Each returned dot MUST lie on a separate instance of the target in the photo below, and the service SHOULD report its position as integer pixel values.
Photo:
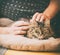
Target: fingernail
(36, 19)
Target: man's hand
(40, 17)
(17, 28)
(20, 27)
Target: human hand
(17, 28)
(20, 27)
(40, 17)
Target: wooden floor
(12, 52)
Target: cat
(40, 30)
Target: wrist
(4, 30)
(1, 30)
(47, 16)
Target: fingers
(20, 32)
(40, 17)
(24, 28)
(20, 23)
(19, 27)
(34, 17)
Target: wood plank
(13, 52)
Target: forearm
(52, 9)
(22, 43)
